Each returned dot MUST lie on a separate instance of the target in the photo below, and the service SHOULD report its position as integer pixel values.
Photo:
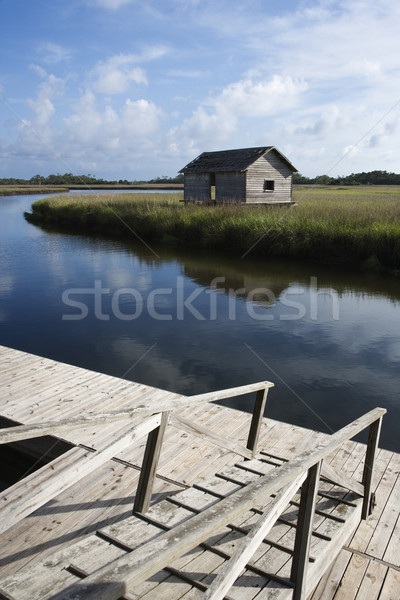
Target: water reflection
(189, 321)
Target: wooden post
(149, 466)
(372, 446)
(255, 425)
(302, 542)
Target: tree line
(370, 178)
(70, 179)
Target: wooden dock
(225, 503)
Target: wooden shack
(245, 176)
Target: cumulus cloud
(247, 99)
(140, 118)
(109, 133)
(116, 75)
(260, 98)
(42, 106)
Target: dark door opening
(212, 187)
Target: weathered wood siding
(269, 166)
(197, 187)
(230, 187)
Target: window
(269, 185)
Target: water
(328, 338)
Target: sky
(135, 89)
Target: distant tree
(300, 179)
(37, 180)
(324, 180)
(164, 179)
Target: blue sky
(135, 89)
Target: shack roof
(231, 160)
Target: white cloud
(260, 98)
(383, 134)
(116, 75)
(53, 53)
(214, 124)
(42, 106)
(329, 120)
(350, 150)
(107, 134)
(140, 118)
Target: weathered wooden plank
(341, 479)
(329, 583)
(328, 553)
(391, 585)
(35, 490)
(230, 392)
(232, 569)
(70, 517)
(385, 541)
(389, 467)
(372, 581)
(149, 465)
(352, 578)
(255, 426)
(270, 167)
(206, 434)
(372, 446)
(303, 534)
(23, 432)
(141, 406)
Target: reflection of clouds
(143, 281)
(6, 284)
(162, 371)
(325, 373)
(394, 352)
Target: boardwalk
(86, 523)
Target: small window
(269, 185)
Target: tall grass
(336, 224)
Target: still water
(192, 322)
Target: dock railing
(304, 470)
(137, 421)
(138, 565)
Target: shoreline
(336, 231)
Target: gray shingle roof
(230, 160)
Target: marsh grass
(352, 225)
(18, 190)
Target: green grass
(351, 225)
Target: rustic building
(249, 176)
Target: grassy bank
(19, 190)
(352, 225)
